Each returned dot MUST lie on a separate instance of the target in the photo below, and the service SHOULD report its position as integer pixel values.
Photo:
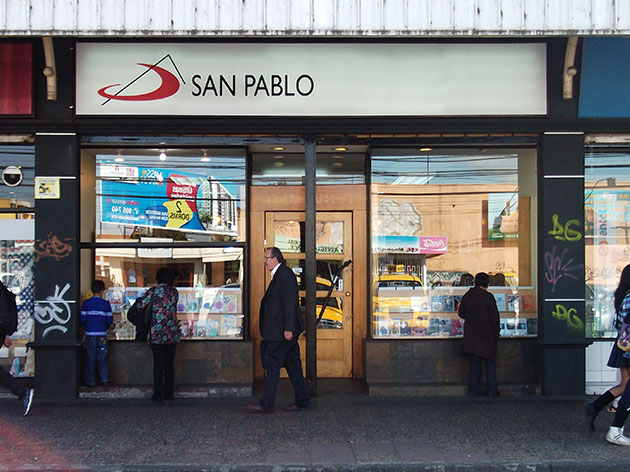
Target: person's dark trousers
(278, 354)
(9, 382)
(163, 371)
(474, 379)
(96, 355)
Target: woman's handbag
(623, 341)
(141, 318)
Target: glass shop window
(439, 216)
(17, 250)
(336, 165)
(169, 197)
(607, 219)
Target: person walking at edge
(280, 326)
(96, 316)
(8, 312)
(618, 358)
(481, 332)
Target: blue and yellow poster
(143, 196)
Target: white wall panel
(604, 15)
(580, 14)
(159, 16)
(395, 15)
(413, 18)
(184, 15)
(135, 15)
(277, 15)
(534, 15)
(252, 13)
(622, 18)
(111, 18)
(206, 16)
(463, 15)
(41, 14)
(63, 18)
(87, 14)
(418, 15)
(346, 15)
(230, 14)
(488, 15)
(557, 15)
(323, 15)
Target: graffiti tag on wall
(53, 247)
(54, 311)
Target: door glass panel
(289, 236)
(329, 237)
(332, 318)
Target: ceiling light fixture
(278, 148)
(119, 159)
(337, 156)
(337, 164)
(278, 164)
(205, 157)
(425, 149)
(162, 156)
(340, 148)
(278, 157)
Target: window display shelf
(432, 313)
(204, 313)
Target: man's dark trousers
(278, 354)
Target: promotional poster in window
(502, 216)
(165, 198)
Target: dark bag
(8, 312)
(141, 318)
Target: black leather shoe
(256, 408)
(295, 407)
(590, 416)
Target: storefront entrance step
(181, 392)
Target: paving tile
(423, 451)
(334, 453)
(287, 457)
(380, 452)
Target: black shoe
(156, 398)
(494, 394)
(590, 415)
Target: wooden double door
(340, 333)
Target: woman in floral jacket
(163, 332)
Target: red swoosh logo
(168, 87)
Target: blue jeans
(96, 355)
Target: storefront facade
(421, 162)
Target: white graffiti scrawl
(54, 310)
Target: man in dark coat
(280, 326)
(481, 331)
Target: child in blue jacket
(96, 317)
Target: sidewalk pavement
(341, 432)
